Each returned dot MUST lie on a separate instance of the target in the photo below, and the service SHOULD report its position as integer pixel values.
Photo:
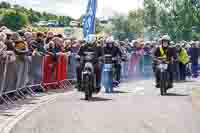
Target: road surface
(135, 108)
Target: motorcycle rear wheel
(88, 92)
(163, 84)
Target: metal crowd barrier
(55, 74)
(138, 66)
(72, 67)
(24, 76)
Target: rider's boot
(157, 85)
(170, 85)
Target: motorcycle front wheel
(88, 92)
(163, 83)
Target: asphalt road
(135, 108)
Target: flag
(89, 18)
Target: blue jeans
(107, 78)
(182, 68)
(195, 70)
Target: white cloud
(76, 8)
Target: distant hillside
(16, 16)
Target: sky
(75, 8)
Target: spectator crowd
(23, 45)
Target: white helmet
(147, 42)
(91, 38)
(192, 42)
(188, 46)
(172, 43)
(178, 45)
(166, 38)
(110, 40)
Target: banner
(89, 18)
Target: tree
(173, 17)
(136, 21)
(14, 20)
(5, 5)
(150, 14)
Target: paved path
(10, 115)
(135, 108)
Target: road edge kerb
(12, 122)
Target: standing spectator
(147, 48)
(194, 54)
(28, 37)
(40, 42)
(183, 59)
(3, 47)
(124, 64)
(49, 37)
(21, 50)
(67, 45)
(59, 44)
(34, 35)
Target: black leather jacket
(91, 48)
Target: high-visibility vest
(183, 56)
(162, 53)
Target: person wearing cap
(164, 51)
(183, 59)
(90, 46)
(194, 55)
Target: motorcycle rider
(165, 51)
(111, 49)
(90, 46)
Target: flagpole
(95, 17)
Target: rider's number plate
(163, 66)
(107, 67)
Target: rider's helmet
(165, 39)
(147, 43)
(110, 41)
(192, 43)
(91, 39)
(188, 45)
(172, 43)
(178, 45)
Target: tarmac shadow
(119, 92)
(97, 99)
(174, 94)
(187, 81)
